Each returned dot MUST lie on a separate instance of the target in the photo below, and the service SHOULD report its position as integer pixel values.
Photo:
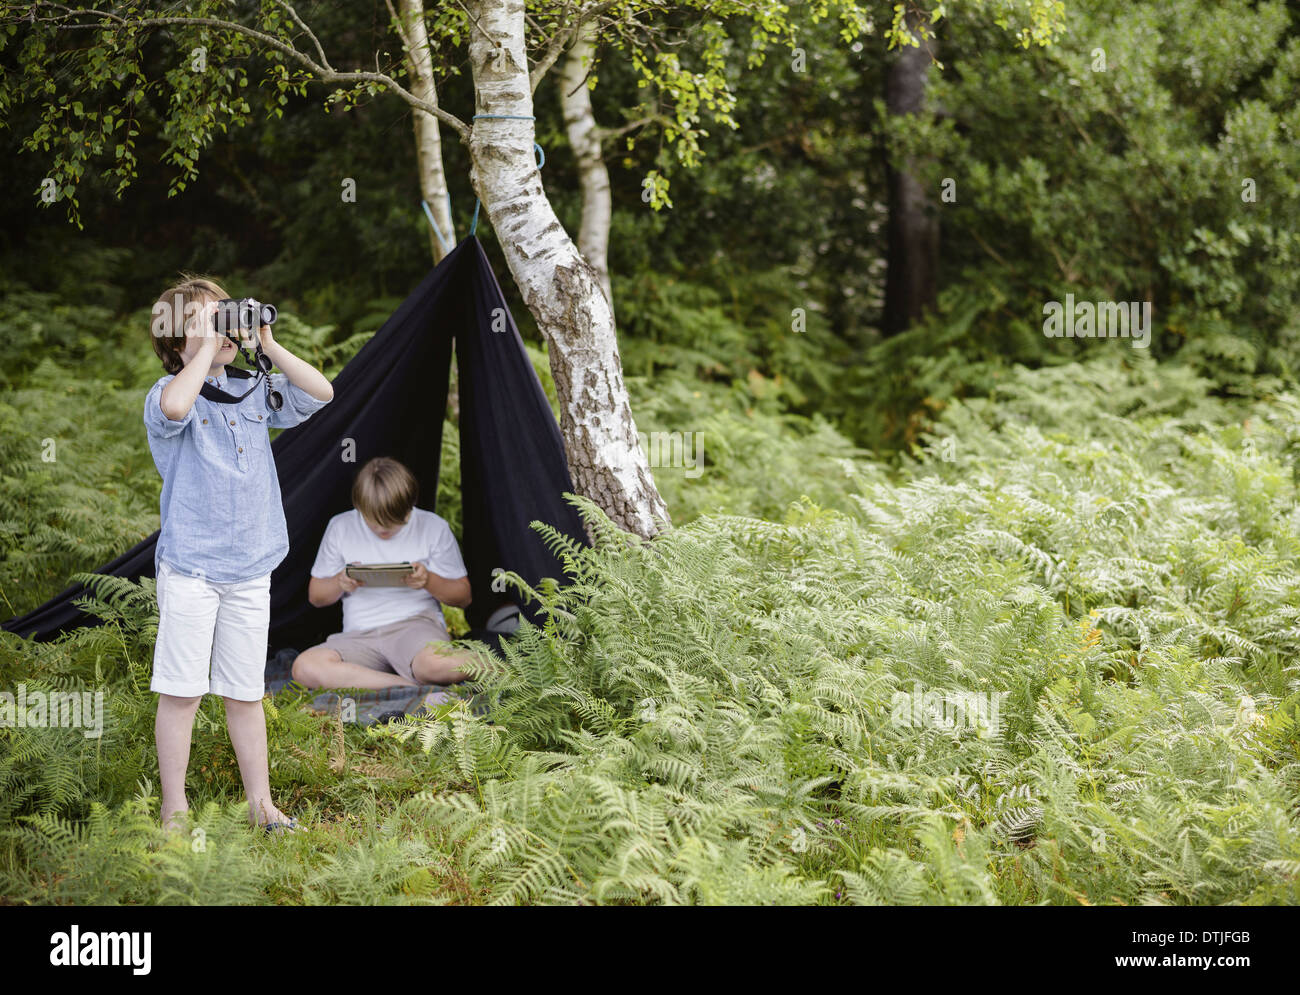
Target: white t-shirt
(426, 539)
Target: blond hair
(171, 313)
(385, 491)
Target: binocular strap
(218, 395)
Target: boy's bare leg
(246, 722)
(173, 727)
(440, 664)
(325, 668)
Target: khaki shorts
(389, 647)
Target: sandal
(280, 828)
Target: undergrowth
(714, 716)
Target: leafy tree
(205, 87)
(1148, 156)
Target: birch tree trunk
(593, 177)
(428, 140)
(561, 289)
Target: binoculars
(245, 315)
(240, 320)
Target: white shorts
(211, 637)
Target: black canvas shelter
(389, 401)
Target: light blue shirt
(222, 516)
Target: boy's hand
(201, 327)
(209, 346)
(419, 576)
(205, 323)
(346, 583)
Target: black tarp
(389, 401)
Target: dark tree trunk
(911, 280)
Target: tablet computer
(380, 574)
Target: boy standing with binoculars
(222, 533)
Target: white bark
(560, 288)
(593, 177)
(428, 140)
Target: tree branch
(987, 248)
(402, 36)
(310, 34)
(560, 40)
(323, 73)
(605, 134)
(554, 47)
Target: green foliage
(732, 378)
(117, 857)
(78, 485)
(723, 329)
(906, 380)
(741, 452)
(714, 716)
(1145, 156)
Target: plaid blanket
(362, 706)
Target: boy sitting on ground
(387, 631)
